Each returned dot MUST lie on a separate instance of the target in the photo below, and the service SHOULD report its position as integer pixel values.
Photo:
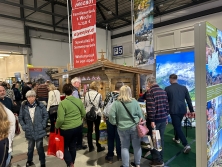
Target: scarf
(32, 105)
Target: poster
(84, 32)
(41, 75)
(214, 95)
(143, 30)
(181, 64)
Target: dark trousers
(39, 147)
(176, 121)
(90, 131)
(52, 118)
(79, 140)
(113, 137)
(70, 139)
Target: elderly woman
(93, 97)
(69, 120)
(33, 117)
(4, 130)
(53, 101)
(126, 127)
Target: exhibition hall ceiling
(111, 13)
(117, 13)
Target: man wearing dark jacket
(177, 94)
(157, 109)
(7, 102)
(25, 89)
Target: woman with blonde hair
(52, 107)
(4, 130)
(93, 97)
(126, 127)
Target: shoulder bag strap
(75, 105)
(90, 99)
(128, 112)
(55, 98)
(91, 102)
(95, 96)
(112, 98)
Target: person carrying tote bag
(126, 127)
(70, 113)
(52, 107)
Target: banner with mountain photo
(143, 30)
(84, 32)
(214, 95)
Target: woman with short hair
(33, 117)
(126, 127)
(93, 97)
(53, 101)
(4, 131)
(70, 113)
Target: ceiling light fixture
(4, 55)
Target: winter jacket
(36, 129)
(18, 96)
(70, 113)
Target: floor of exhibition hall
(173, 156)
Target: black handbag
(53, 109)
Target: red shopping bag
(56, 145)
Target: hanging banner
(143, 30)
(84, 32)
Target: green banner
(211, 30)
(214, 91)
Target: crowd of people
(36, 103)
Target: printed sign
(84, 32)
(118, 50)
(143, 30)
(214, 95)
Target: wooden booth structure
(107, 74)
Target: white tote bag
(106, 110)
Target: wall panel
(11, 31)
(165, 41)
(187, 37)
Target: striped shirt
(157, 106)
(42, 91)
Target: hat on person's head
(30, 93)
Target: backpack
(107, 108)
(91, 115)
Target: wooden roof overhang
(103, 64)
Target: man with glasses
(76, 83)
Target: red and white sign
(84, 32)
